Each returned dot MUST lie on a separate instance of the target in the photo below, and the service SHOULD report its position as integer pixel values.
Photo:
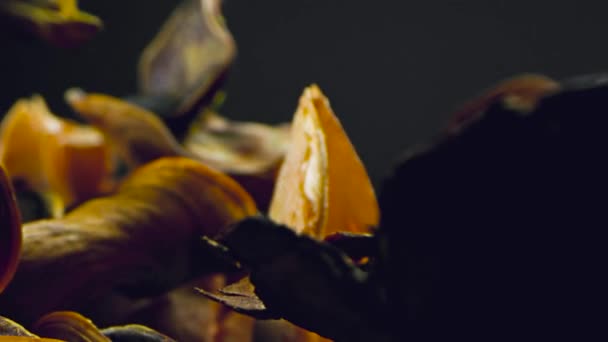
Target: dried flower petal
(322, 185)
(59, 22)
(189, 54)
(143, 239)
(249, 152)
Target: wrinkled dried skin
(191, 52)
(249, 152)
(66, 162)
(322, 185)
(60, 22)
(144, 238)
(10, 231)
(68, 326)
(521, 93)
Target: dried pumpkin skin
(10, 231)
(144, 236)
(61, 159)
(314, 193)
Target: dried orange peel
(322, 186)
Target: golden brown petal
(10, 231)
(249, 152)
(142, 239)
(138, 135)
(322, 185)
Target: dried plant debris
(497, 230)
(312, 193)
(188, 56)
(10, 231)
(59, 22)
(73, 327)
(187, 316)
(307, 282)
(64, 161)
(144, 239)
(249, 152)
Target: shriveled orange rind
(322, 187)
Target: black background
(393, 70)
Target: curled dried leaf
(307, 282)
(144, 239)
(59, 22)
(10, 231)
(322, 185)
(67, 162)
(188, 56)
(68, 326)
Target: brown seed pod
(144, 238)
(10, 231)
